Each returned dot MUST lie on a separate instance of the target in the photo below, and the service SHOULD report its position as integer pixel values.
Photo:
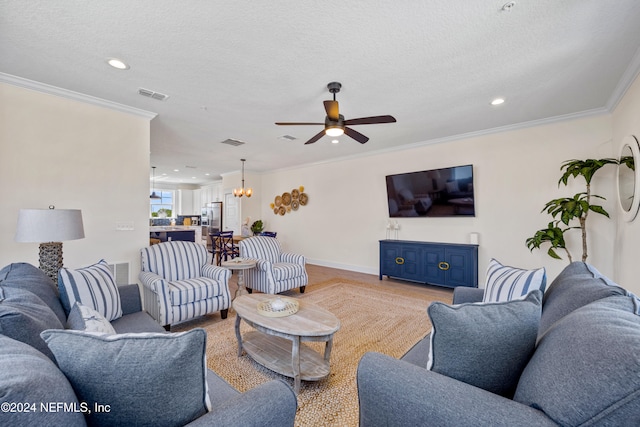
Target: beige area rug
(372, 319)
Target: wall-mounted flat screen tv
(432, 193)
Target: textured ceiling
(232, 69)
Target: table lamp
(49, 227)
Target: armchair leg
(167, 328)
(249, 290)
(302, 289)
(224, 313)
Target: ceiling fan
(336, 125)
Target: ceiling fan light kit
(335, 124)
(334, 131)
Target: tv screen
(432, 193)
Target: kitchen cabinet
(177, 233)
(442, 264)
(210, 193)
(197, 201)
(184, 203)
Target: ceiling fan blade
(331, 107)
(315, 138)
(370, 120)
(298, 123)
(356, 135)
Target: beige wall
(57, 151)
(626, 121)
(515, 174)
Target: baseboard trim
(348, 267)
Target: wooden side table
(239, 265)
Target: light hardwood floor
(318, 274)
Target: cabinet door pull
(399, 261)
(443, 265)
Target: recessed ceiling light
(497, 101)
(117, 63)
(176, 170)
(207, 174)
(334, 141)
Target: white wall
(62, 152)
(516, 173)
(626, 121)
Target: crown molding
(627, 79)
(76, 96)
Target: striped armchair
(179, 284)
(275, 271)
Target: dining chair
(214, 248)
(268, 233)
(226, 246)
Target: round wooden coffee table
(276, 342)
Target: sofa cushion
(586, 368)
(577, 285)
(484, 344)
(23, 316)
(93, 286)
(29, 378)
(140, 321)
(505, 283)
(284, 271)
(83, 318)
(191, 290)
(25, 276)
(147, 379)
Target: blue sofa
(584, 370)
(30, 377)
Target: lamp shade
(49, 225)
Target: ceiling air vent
(151, 94)
(233, 142)
(288, 137)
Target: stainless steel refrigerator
(212, 218)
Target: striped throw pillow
(93, 287)
(506, 283)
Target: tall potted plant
(566, 210)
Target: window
(162, 207)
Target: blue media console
(442, 264)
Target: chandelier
(239, 192)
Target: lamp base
(51, 259)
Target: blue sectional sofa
(584, 369)
(35, 390)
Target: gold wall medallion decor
(289, 201)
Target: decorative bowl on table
(278, 307)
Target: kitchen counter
(190, 233)
(160, 228)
